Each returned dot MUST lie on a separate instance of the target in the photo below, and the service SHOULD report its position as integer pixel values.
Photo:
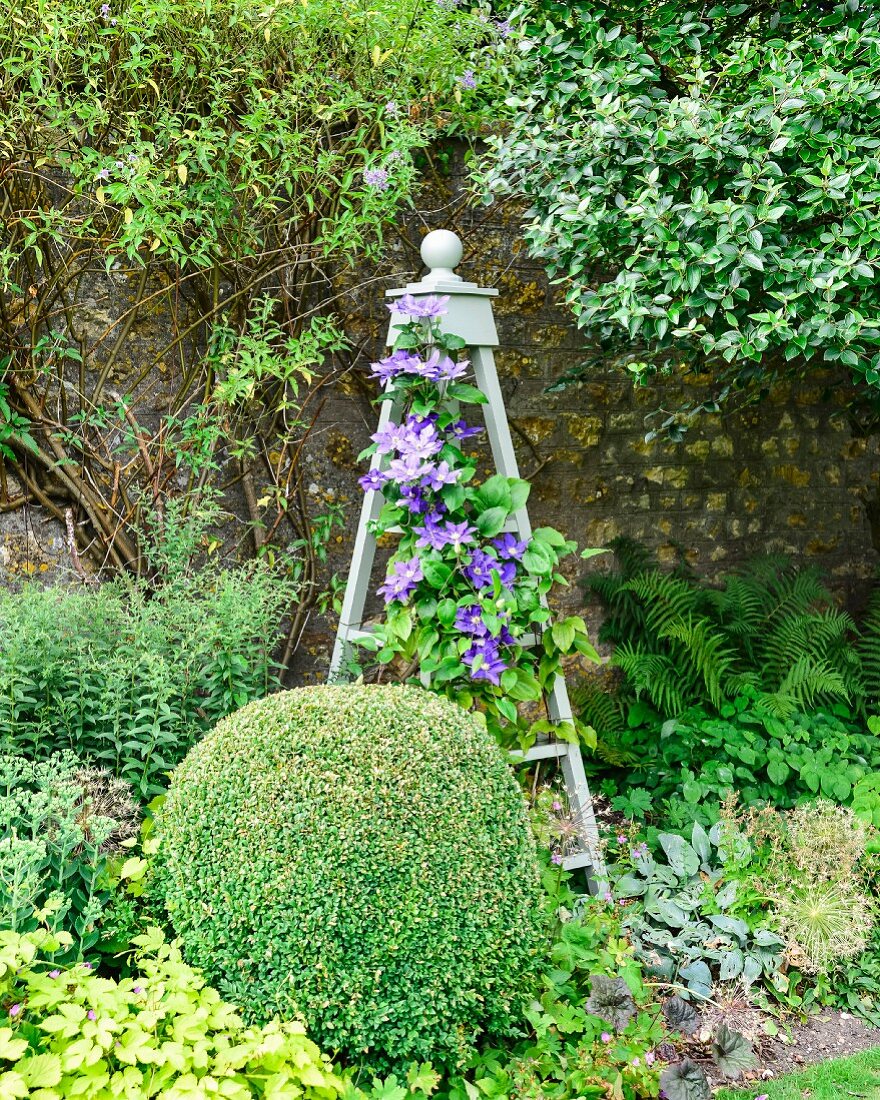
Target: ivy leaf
(610, 999)
(685, 1080)
(732, 1052)
(681, 1015)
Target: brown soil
(823, 1036)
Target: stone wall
(788, 475)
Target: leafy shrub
(61, 825)
(699, 759)
(680, 917)
(129, 679)
(368, 863)
(230, 150)
(699, 180)
(681, 642)
(161, 1032)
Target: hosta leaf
(732, 1052)
(685, 1081)
(698, 977)
(682, 857)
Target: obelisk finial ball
(441, 249)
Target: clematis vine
(463, 590)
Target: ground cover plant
(737, 738)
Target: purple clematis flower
(400, 583)
(372, 481)
(409, 468)
(438, 476)
(399, 362)
(509, 547)
(484, 652)
(430, 535)
(459, 534)
(460, 430)
(439, 367)
(420, 308)
(469, 620)
(414, 499)
(482, 565)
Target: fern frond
(868, 648)
(652, 674)
(597, 707)
(818, 635)
(667, 599)
(809, 680)
(707, 651)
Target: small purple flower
(104, 174)
(460, 430)
(503, 27)
(637, 1061)
(467, 79)
(608, 896)
(414, 499)
(482, 565)
(556, 807)
(556, 858)
(138, 989)
(469, 620)
(438, 476)
(509, 547)
(483, 660)
(408, 468)
(377, 178)
(54, 973)
(421, 308)
(92, 1015)
(430, 535)
(438, 367)
(105, 10)
(15, 1010)
(621, 839)
(373, 481)
(605, 1037)
(400, 583)
(399, 362)
(88, 966)
(392, 109)
(650, 1057)
(459, 534)
(131, 158)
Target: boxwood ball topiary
(360, 856)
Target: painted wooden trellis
(469, 315)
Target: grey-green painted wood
(469, 315)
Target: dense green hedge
(360, 855)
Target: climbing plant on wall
(214, 165)
(703, 182)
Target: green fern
(655, 675)
(706, 650)
(770, 627)
(868, 649)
